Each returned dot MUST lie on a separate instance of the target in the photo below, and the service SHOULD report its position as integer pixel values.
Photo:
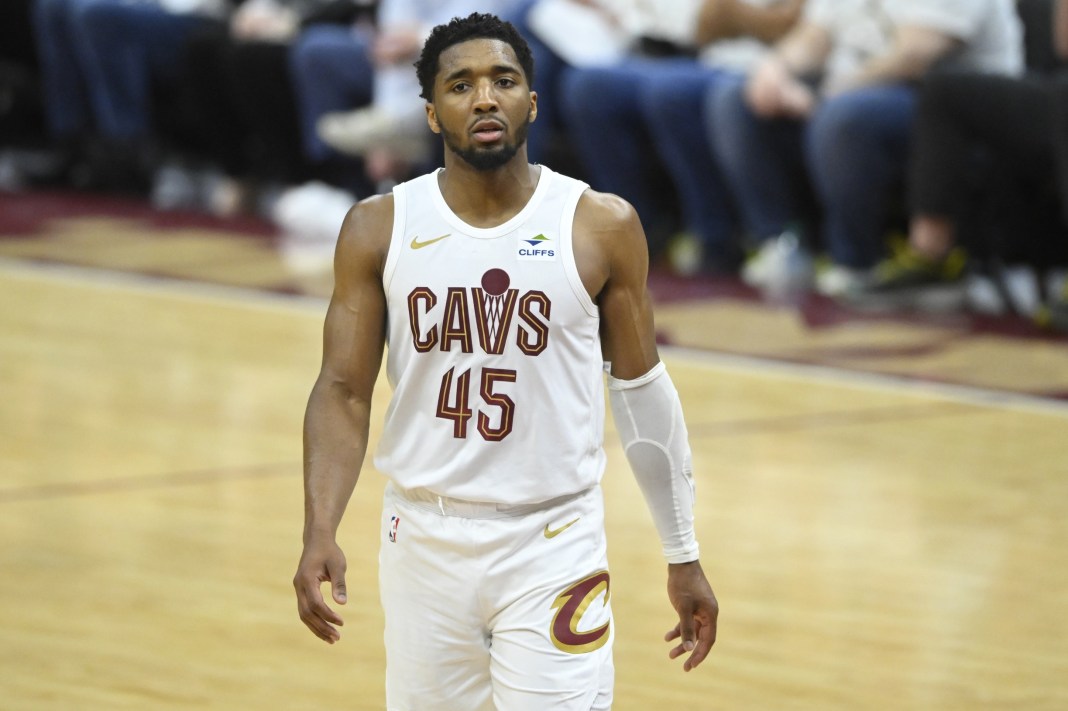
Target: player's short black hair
(477, 25)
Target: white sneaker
(10, 176)
(685, 254)
(835, 280)
(781, 265)
(222, 195)
(358, 132)
(312, 212)
(174, 188)
(310, 218)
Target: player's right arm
(337, 419)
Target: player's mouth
(487, 131)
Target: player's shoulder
(609, 220)
(604, 208)
(368, 225)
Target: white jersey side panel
(494, 353)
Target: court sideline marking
(200, 292)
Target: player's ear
(432, 118)
(533, 113)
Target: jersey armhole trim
(567, 224)
(395, 240)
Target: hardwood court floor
(886, 531)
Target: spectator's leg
(62, 71)
(673, 107)
(132, 45)
(856, 148)
(1009, 119)
(607, 131)
(549, 69)
(217, 131)
(264, 99)
(761, 161)
(331, 70)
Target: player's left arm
(646, 407)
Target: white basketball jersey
(494, 354)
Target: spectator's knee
(727, 102)
(727, 114)
(667, 100)
(317, 49)
(945, 94)
(838, 128)
(49, 12)
(572, 90)
(585, 94)
(98, 16)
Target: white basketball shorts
(495, 607)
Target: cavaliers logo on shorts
(570, 605)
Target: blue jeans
(332, 70)
(63, 54)
(620, 118)
(548, 69)
(851, 152)
(134, 46)
(99, 59)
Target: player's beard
(487, 158)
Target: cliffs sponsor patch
(536, 249)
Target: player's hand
(693, 599)
(397, 45)
(322, 561)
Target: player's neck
(487, 198)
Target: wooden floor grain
(874, 544)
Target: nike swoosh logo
(416, 244)
(550, 533)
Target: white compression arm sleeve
(648, 415)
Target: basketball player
(502, 289)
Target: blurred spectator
(240, 110)
(20, 101)
(1010, 134)
(21, 119)
(563, 34)
(334, 74)
(613, 111)
(831, 110)
(99, 59)
(358, 96)
(333, 70)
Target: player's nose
(485, 96)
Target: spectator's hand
(839, 84)
(607, 9)
(773, 91)
(322, 561)
(397, 46)
(693, 599)
(798, 100)
(264, 20)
